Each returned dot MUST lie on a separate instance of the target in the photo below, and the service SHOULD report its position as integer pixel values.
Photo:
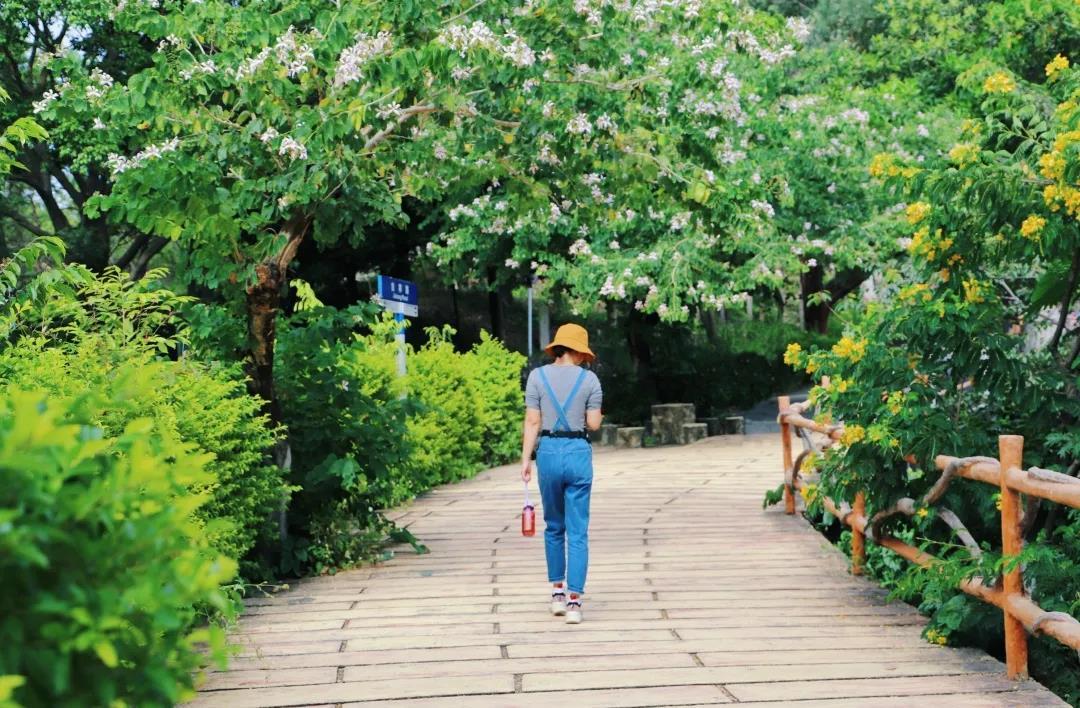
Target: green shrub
(359, 446)
(495, 373)
(340, 400)
(102, 562)
(71, 344)
(446, 434)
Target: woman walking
(562, 402)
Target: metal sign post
(401, 297)
(529, 319)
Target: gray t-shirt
(562, 380)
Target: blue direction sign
(400, 296)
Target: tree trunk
(816, 316)
(263, 305)
(637, 341)
(708, 321)
(495, 309)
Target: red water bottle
(528, 516)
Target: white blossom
(119, 164)
(462, 38)
(294, 149)
(46, 100)
(579, 125)
(763, 206)
(363, 50)
(799, 28)
(580, 248)
(392, 110)
(518, 52)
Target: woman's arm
(593, 419)
(530, 431)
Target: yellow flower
(793, 354)
(1066, 110)
(964, 153)
(1056, 66)
(895, 402)
(911, 292)
(1032, 227)
(811, 366)
(935, 637)
(852, 434)
(848, 348)
(842, 385)
(972, 127)
(1071, 197)
(1064, 140)
(1051, 195)
(973, 291)
(917, 212)
(923, 513)
(1052, 165)
(999, 83)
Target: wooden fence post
(1010, 455)
(785, 440)
(858, 538)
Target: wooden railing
(1021, 614)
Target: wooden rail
(1021, 614)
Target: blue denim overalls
(566, 474)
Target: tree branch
(141, 262)
(1066, 301)
(132, 250)
(386, 132)
(25, 223)
(961, 531)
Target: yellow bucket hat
(572, 336)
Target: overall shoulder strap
(560, 413)
(574, 390)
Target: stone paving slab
(695, 597)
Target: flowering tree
(835, 227)
(978, 336)
(49, 46)
(268, 124)
(631, 182)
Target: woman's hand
(526, 471)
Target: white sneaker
(558, 604)
(573, 613)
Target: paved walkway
(696, 597)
